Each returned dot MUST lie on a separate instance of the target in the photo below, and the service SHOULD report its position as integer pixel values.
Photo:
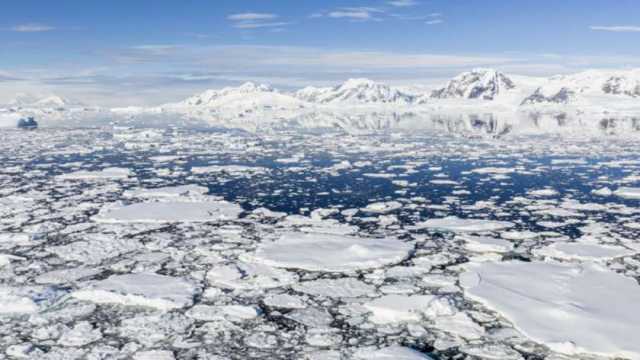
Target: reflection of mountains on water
(487, 124)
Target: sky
(147, 52)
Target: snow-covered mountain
(593, 87)
(30, 101)
(485, 84)
(247, 96)
(211, 98)
(245, 106)
(356, 92)
(50, 110)
(361, 104)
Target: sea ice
(455, 224)
(336, 288)
(394, 352)
(483, 244)
(583, 251)
(13, 303)
(168, 192)
(570, 308)
(331, 253)
(391, 309)
(150, 290)
(161, 212)
(105, 174)
(628, 193)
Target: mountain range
(593, 94)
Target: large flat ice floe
(148, 290)
(572, 309)
(455, 224)
(331, 253)
(171, 211)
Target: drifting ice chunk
(336, 288)
(543, 193)
(483, 244)
(455, 224)
(570, 308)
(628, 193)
(399, 308)
(332, 253)
(168, 192)
(154, 355)
(108, 173)
(159, 212)
(493, 170)
(382, 207)
(602, 192)
(394, 352)
(579, 251)
(12, 303)
(157, 291)
(249, 276)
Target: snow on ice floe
(455, 224)
(583, 251)
(399, 308)
(105, 174)
(329, 252)
(146, 290)
(570, 308)
(483, 244)
(338, 288)
(171, 192)
(246, 276)
(628, 193)
(170, 211)
(14, 303)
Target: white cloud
(355, 13)
(362, 15)
(247, 21)
(251, 17)
(434, 22)
(257, 25)
(618, 28)
(283, 56)
(403, 3)
(32, 28)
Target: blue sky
(144, 51)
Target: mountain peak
(358, 83)
(355, 91)
(250, 86)
(479, 83)
(29, 100)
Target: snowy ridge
(212, 97)
(588, 87)
(480, 83)
(356, 91)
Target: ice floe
(455, 224)
(331, 253)
(148, 290)
(570, 308)
(171, 211)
